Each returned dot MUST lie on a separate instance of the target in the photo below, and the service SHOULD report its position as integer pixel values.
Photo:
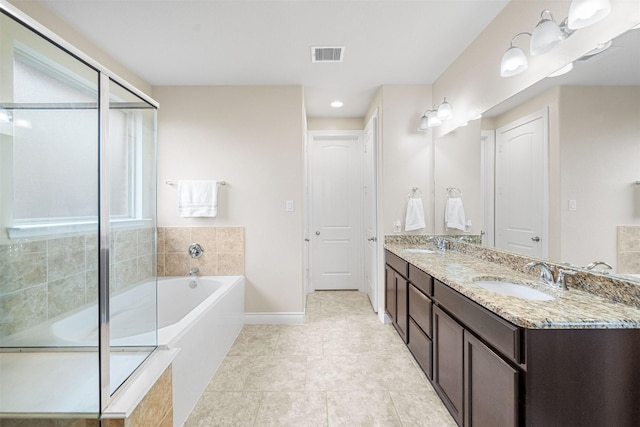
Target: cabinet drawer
(397, 263)
(501, 334)
(422, 348)
(420, 309)
(421, 280)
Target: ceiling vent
(327, 54)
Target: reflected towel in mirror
(415, 214)
(454, 217)
(197, 198)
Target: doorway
(521, 186)
(335, 230)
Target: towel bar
(414, 192)
(175, 182)
(450, 189)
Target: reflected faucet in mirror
(594, 264)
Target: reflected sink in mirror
(419, 251)
(508, 288)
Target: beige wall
(406, 155)
(472, 84)
(252, 138)
(600, 152)
(41, 14)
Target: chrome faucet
(441, 243)
(547, 272)
(594, 264)
(193, 271)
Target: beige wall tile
(628, 238)
(230, 264)
(230, 239)
(161, 264)
(177, 240)
(207, 264)
(206, 236)
(126, 274)
(65, 294)
(161, 240)
(176, 264)
(155, 405)
(145, 268)
(146, 239)
(125, 245)
(18, 272)
(22, 309)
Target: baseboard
(273, 318)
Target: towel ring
(450, 189)
(415, 191)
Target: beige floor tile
(334, 373)
(225, 409)
(361, 408)
(300, 340)
(391, 372)
(421, 408)
(294, 409)
(277, 373)
(231, 374)
(256, 340)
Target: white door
(370, 217)
(335, 210)
(522, 186)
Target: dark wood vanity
(491, 372)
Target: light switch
(290, 206)
(572, 205)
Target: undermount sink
(506, 287)
(420, 251)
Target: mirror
(554, 172)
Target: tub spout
(193, 271)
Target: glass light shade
(545, 37)
(513, 62)
(583, 13)
(563, 70)
(433, 120)
(424, 123)
(444, 110)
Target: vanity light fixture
(514, 61)
(601, 47)
(583, 13)
(337, 104)
(432, 119)
(424, 121)
(548, 34)
(444, 110)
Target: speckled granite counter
(570, 309)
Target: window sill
(46, 230)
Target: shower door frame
(104, 77)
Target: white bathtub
(203, 331)
(201, 320)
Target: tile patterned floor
(342, 367)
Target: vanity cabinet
(448, 372)
(396, 291)
(420, 318)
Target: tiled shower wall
(42, 279)
(628, 249)
(223, 250)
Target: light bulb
(444, 110)
(513, 62)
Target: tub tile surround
(41, 279)
(223, 251)
(593, 301)
(342, 366)
(628, 246)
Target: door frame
(373, 120)
(309, 136)
(487, 180)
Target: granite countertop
(570, 309)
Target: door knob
(306, 240)
(317, 233)
(372, 239)
(535, 239)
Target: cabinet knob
(317, 233)
(535, 239)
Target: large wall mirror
(554, 172)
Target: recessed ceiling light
(337, 104)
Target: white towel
(415, 215)
(197, 198)
(454, 214)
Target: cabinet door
(402, 307)
(491, 387)
(390, 293)
(448, 343)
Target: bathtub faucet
(193, 271)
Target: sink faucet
(193, 271)
(546, 274)
(594, 264)
(441, 243)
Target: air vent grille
(327, 54)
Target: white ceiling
(266, 42)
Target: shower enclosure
(78, 306)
